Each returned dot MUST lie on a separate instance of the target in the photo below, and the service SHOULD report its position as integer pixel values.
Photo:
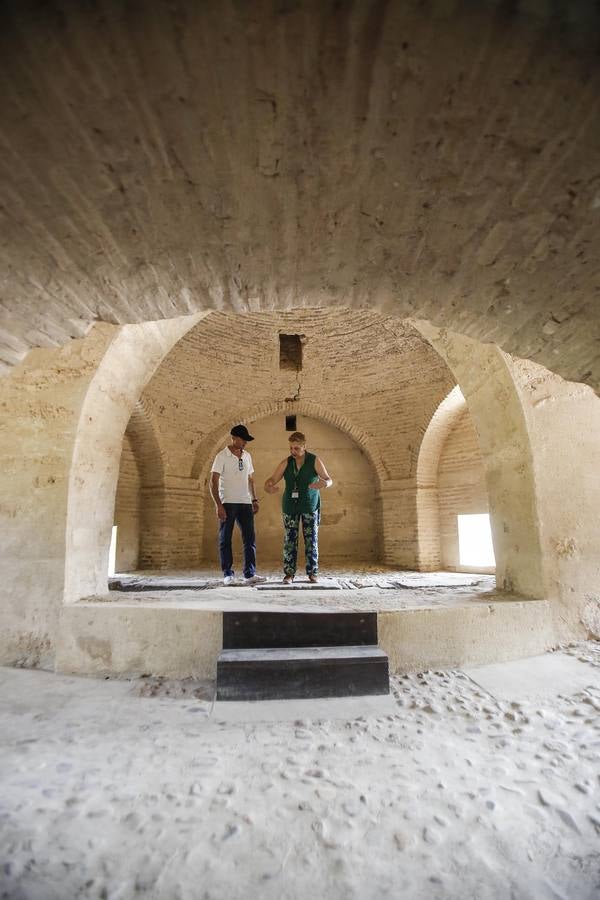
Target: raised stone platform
(427, 621)
(367, 589)
(369, 579)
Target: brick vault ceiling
(437, 160)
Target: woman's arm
(324, 479)
(270, 483)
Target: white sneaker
(228, 579)
(255, 579)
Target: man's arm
(270, 483)
(214, 493)
(253, 493)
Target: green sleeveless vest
(298, 480)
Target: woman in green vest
(305, 477)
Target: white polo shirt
(233, 483)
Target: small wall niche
(290, 352)
(290, 423)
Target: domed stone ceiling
(438, 161)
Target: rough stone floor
(340, 588)
(120, 789)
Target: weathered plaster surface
(56, 424)
(113, 393)
(485, 378)
(437, 160)
(66, 411)
(97, 639)
(563, 420)
(101, 640)
(540, 439)
(446, 638)
(39, 412)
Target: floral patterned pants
(310, 531)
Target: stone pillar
(171, 524)
(428, 516)
(540, 441)
(40, 405)
(397, 500)
(487, 383)
(410, 526)
(63, 414)
(125, 369)
(563, 421)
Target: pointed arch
(440, 425)
(427, 500)
(145, 445)
(486, 379)
(213, 440)
(126, 367)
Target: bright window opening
(112, 553)
(475, 541)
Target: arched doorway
(350, 526)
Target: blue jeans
(243, 515)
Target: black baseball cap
(242, 432)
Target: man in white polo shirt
(232, 489)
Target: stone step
(247, 630)
(282, 673)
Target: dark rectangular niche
(290, 352)
(290, 423)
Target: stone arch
(137, 350)
(433, 515)
(486, 380)
(212, 442)
(128, 364)
(145, 444)
(440, 425)
(461, 491)
(124, 370)
(146, 529)
(427, 501)
(351, 511)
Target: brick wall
(373, 378)
(127, 510)
(349, 521)
(461, 485)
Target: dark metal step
(301, 672)
(246, 630)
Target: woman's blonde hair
(297, 438)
